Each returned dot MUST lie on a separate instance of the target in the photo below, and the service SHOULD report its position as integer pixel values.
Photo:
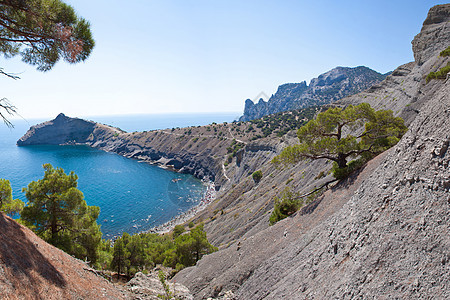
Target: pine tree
(191, 247)
(329, 137)
(120, 256)
(58, 213)
(8, 205)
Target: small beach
(208, 197)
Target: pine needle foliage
(57, 212)
(43, 31)
(8, 205)
(328, 136)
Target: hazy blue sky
(209, 56)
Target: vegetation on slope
(445, 52)
(289, 202)
(325, 137)
(143, 251)
(283, 122)
(8, 205)
(57, 212)
(257, 176)
(285, 205)
(442, 73)
(328, 137)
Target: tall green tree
(189, 248)
(131, 254)
(330, 135)
(57, 212)
(8, 205)
(42, 32)
(121, 256)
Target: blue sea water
(132, 196)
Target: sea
(133, 196)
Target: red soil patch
(32, 269)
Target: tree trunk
(341, 161)
(53, 223)
(119, 265)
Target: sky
(190, 56)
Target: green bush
(8, 205)
(257, 175)
(342, 173)
(446, 52)
(178, 230)
(285, 205)
(441, 74)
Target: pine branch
(9, 108)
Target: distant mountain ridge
(328, 87)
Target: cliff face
(434, 35)
(327, 88)
(382, 233)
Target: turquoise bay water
(132, 196)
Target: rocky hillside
(327, 88)
(381, 234)
(32, 269)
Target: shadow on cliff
(344, 185)
(23, 264)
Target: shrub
(178, 230)
(341, 173)
(257, 175)
(446, 52)
(285, 205)
(441, 74)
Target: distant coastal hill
(325, 89)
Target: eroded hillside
(382, 233)
(32, 269)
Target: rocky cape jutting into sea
(383, 233)
(193, 150)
